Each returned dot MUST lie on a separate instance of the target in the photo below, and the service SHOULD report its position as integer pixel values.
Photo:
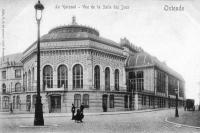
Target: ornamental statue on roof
(74, 20)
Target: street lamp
(38, 120)
(176, 111)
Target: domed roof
(70, 31)
(143, 59)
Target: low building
(79, 66)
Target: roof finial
(74, 20)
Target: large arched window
(117, 79)
(86, 100)
(17, 87)
(25, 81)
(5, 102)
(47, 77)
(77, 100)
(62, 76)
(97, 77)
(107, 78)
(29, 80)
(18, 102)
(28, 103)
(77, 76)
(33, 78)
(3, 88)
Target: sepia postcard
(105, 66)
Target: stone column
(136, 101)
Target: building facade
(79, 66)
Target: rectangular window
(77, 100)
(136, 81)
(86, 100)
(143, 100)
(126, 101)
(3, 74)
(111, 101)
(18, 73)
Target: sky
(171, 36)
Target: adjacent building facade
(79, 66)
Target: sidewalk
(31, 115)
(187, 118)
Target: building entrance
(104, 103)
(55, 104)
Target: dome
(73, 31)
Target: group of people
(79, 113)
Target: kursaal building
(79, 66)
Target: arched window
(17, 87)
(25, 81)
(86, 100)
(33, 77)
(77, 100)
(28, 103)
(5, 102)
(29, 80)
(14, 102)
(47, 77)
(97, 77)
(116, 79)
(4, 88)
(77, 76)
(107, 79)
(62, 76)
(112, 101)
(18, 102)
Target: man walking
(81, 111)
(82, 107)
(73, 111)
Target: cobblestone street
(145, 122)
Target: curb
(179, 125)
(90, 114)
(32, 126)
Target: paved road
(143, 122)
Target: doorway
(104, 103)
(55, 101)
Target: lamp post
(38, 119)
(176, 111)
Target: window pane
(86, 100)
(62, 76)
(47, 77)
(77, 100)
(77, 76)
(117, 79)
(97, 77)
(107, 79)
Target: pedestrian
(81, 112)
(73, 111)
(81, 108)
